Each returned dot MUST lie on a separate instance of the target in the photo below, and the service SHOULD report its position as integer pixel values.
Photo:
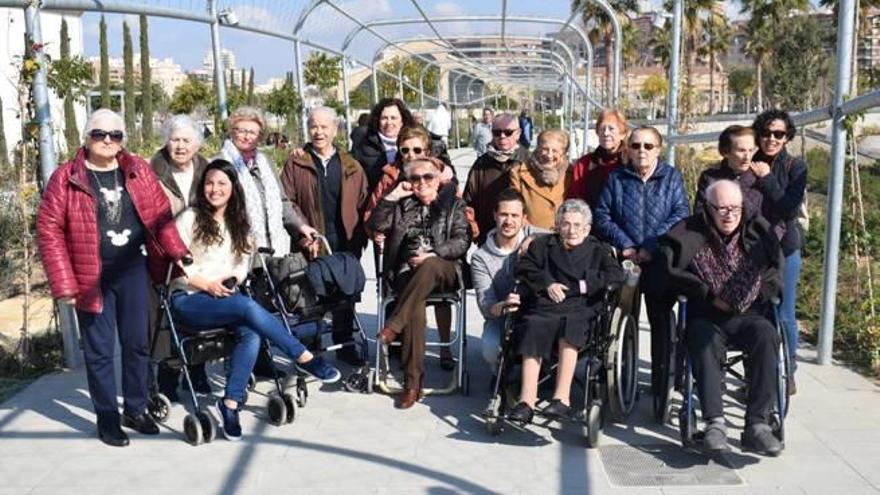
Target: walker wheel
(356, 382)
(290, 408)
(277, 410)
(302, 394)
(192, 430)
(159, 407)
(593, 424)
(209, 431)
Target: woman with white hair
(178, 165)
(102, 220)
(565, 276)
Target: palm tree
(694, 17)
(592, 14)
(862, 9)
(716, 39)
(661, 43)
(764, 17)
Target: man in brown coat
(490, 174)
(328, 189)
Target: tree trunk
(711, 83)
(146, 83)
(609, 63)
(105, 66)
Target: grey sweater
(493, 270)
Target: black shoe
(522, 414)
(447, 362)
(142, 423)
(113, 435)
(350, 356)
(557, 410)
(760, 438)
(715, 437)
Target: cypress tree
(4, 152)
(71, 133)
(128, 85)
(105, 67)
(250, 89)
(146, 83)
(242, 87)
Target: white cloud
(448, 8)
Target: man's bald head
(725, 200)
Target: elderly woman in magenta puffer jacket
(103, 219)
(641, 202)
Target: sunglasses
(776, 134)
(415, 150)
(100, 135)
(726, 210)
(506, 132)
(415, 179)
(639, 146)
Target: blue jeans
(791, 275)
(250, 322)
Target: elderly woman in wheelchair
(725, 263)
(565, 277)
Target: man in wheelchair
(727, 262)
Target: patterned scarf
(257, 214)
(728, 271)
(547, 175)
(505, 156)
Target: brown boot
(409, 396)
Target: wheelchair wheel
(494, 426)
(276, 410)
(593, 425)
(664, 381)
(622, 368)
(192, 430)
(209, 431)
(782, 374)
(356, 382)
(302, 393)
(290, 408)
(159, 407)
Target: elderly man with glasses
(490, 174)
(728, 265)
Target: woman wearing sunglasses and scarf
(642, 201)
(412, 143)
(782, 180)
(102, 219)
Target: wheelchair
(677, 376)
(381, 373)
(610, 374)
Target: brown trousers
(412, 288)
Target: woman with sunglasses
(642, 201)
(782, 178)
(103, 219)
(590, 173)
(217, 230)
(412, 143)
(427, 236)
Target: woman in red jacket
(102, 219)
(591, 171)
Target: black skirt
(541, 326)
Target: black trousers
(125, 313)
(707, 341)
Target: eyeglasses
(645, 146)
(415, 150)
(577, 227)
(101, 134)
(766, 133)
(415, 179)
(506, 132)
(245, 132)
(726, 211)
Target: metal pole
(845, 24)
(375, 82)
(585, 147)
(672, 96)
(219, 79)
(422, 89)
(454, 110)
(562, 114)
(400, 82)
(297, 60)
(66, 315)
(346, 102)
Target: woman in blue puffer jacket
(642, 201)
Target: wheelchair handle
(775, 301)
(266, 250)
(682, 299)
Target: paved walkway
(350, 443)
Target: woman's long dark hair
(207, 230)
(405, 115)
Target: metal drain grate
(662, 465)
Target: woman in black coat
(566, 275)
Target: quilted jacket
(67, 228)
(632, 213)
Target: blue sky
(187, 42)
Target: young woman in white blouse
(215, 228)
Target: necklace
(111, 199)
